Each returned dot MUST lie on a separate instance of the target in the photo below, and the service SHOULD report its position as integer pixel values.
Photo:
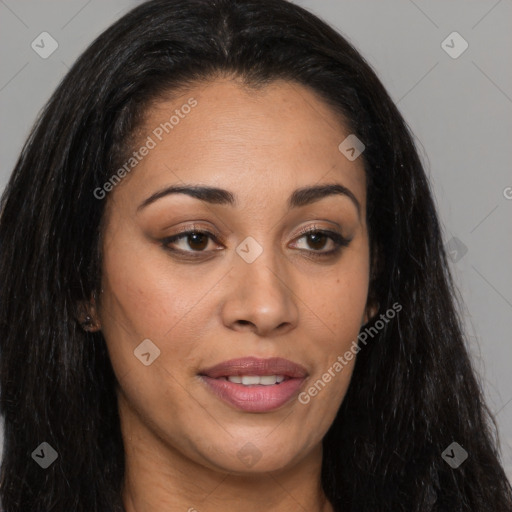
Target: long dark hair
(413, 390)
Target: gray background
(458, 108)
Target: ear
(87, 315)
(372, 302)
(370, 311)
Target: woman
(224, 285)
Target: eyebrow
(213, 195)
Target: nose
(260, 297)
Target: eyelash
(339, 241)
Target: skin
(181, 441)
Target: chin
(252, 457)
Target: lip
(256, 366)
(255, 398)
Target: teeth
(251, 380)
(268, 380)
(248, 380)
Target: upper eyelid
(191, 229)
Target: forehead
(254, 142)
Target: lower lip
(255, 398)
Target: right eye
(191, 241)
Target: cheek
(141, 303)
(341, 305)
(343, 298)
(144, 297)
(148, 295)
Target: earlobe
(370, 312)
(372, 308)
(87, 316)
(372, 302)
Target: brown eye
(317, 240)
(197, 241)
(320, 243)
(188, 241)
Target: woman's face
(255, 290)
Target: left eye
(317, 239)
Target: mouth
(255, 385)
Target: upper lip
(256, 366)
